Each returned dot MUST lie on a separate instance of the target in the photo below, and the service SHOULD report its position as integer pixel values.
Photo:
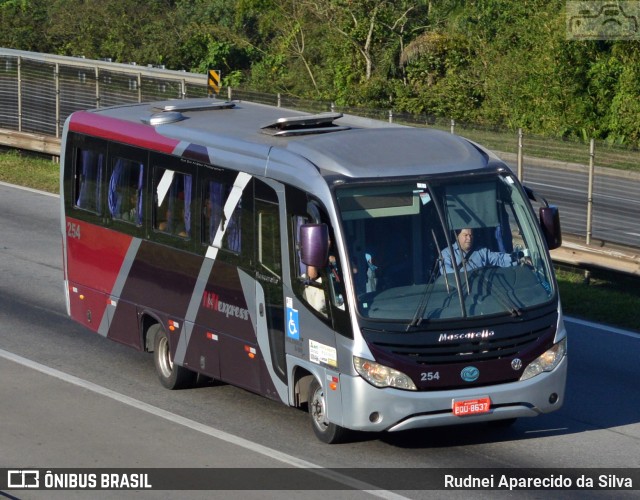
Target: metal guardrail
(39, 91)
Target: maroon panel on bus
(223, 305)
(162, 278)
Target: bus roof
(337, 145)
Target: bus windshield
(444, 249)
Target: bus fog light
(382, 376)
(547, 361)
(374, 417)
(553, 399)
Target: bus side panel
(160, 280)
(224, 310)
(203, 352)
(223, 304)
(94, 255)
(223, 342)
(240, 363)
(122, 323)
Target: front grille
(427, 350)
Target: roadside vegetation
(30, 171)
(607, 298)
(499, 63)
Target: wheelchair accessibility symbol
(293, 328)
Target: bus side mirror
(314, 244)
(550, 224)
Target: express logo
(212, 301)
(470, 374)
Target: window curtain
(234, 233)
(215, 204)
(139, 195)
(90, 192)
(187, 203)
(218, 194)
(115, 199)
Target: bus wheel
(324, 430)
(171, 376)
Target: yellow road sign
(213, 81)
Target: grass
(607, 298)
(31, 171)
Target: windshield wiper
(504, 300)
(438, 266)
(424, 298)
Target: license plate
(466, 407)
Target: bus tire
(324, 430)
(171, 376)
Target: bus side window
(172, 205)
(321, 284)
(89, 178)
(125, 191)
(216, 230)
(268, 240)
(314, 291)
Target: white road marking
(612, 329)
(205, 429)
(31, 190)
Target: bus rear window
(89, 179)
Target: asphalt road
(615, 199)
(70, 398)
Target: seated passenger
(469, 258)
(171, 224)
(131, 214)
(315, 290)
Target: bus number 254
(73, 230)
(429, 376)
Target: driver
(473, 258)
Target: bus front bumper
(367, 408)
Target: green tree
(209, 33)
(497, 62)
(21, 23)
(123, 30)
(291, 60)
(622, 118)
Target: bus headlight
(382, 376)
(546, 361)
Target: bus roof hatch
(301, 125)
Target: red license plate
(466, 407)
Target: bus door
(269, 290)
